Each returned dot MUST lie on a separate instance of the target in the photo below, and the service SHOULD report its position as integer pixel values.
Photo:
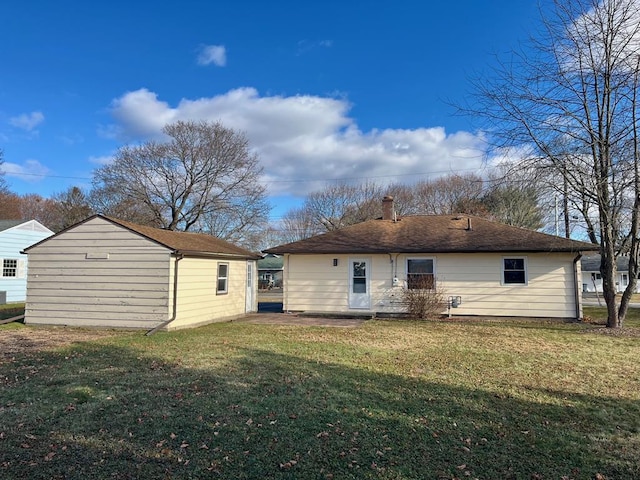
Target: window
(223, 278)
(420, 273)
(514, 271)
(359, 277)
(10, 267)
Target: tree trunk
(608, 272)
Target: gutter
(197, 253)
(179, 256)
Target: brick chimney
(387, 208)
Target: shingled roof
(591, 263)
(432, 234)
(7, 224)
(179, 242)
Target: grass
(389, 400)
(599, 315)
(10, 310)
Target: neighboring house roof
(179, 242)
(591, 263)
(7, 224)
(271, 262)
(433, 234)
(23, 225)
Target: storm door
(359, 284)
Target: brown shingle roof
(182, 242)
(185, 241)
(432, 234)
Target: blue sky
(324, 91)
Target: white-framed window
(222, 284)
(9, 268)
(514, 270)
(421, 273)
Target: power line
(270, 182)
(415, 174)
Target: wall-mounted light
(335, 262)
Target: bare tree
(240, 218)
(112, 201)
(571, 101)
(71, 206)
(201, 171)
(341, 205)
(298, 224)
(44, 210)
(10, 206)
(513, 196)
(445, 195)
(4, 187)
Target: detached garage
(104, 272)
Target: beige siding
(312, 283)
(98, 274)
(198, 302)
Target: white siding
(312, 283)
(98, 274)
(588, 282)
(198, 302)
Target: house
(16, 235)
(105, 272)
(270, 271)
(592, 279)
(483, 267)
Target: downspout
(179, 256)
(576, 291)
(285, 283)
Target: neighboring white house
(270, 269)
(16, 235)
(494, 269)
(111, 273)
(592, 279)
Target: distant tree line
(514, 201)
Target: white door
(249, 296)
(359, 275)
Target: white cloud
(304, 141)
(306, 45)
(102, 160)
(140, 115)
(29, 171)
(592, 41)
(27, 121)
(216, 54)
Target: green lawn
(10, 310)
(389, 400)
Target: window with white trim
(420, 273)
(514, 271)
(223, 278)
(9, 268)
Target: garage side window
(223, 278)
(514, 271)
